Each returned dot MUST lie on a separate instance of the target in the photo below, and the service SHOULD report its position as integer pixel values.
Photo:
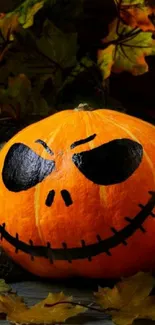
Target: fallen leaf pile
(43, 53)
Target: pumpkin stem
(84, 107)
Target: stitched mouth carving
(85, 251)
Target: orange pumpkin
(77, 195)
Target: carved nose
(50, 198)
(65, 195)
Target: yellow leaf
(4, 287)
(129, 299)
(105, 60)
(44, 312)
(23, 15)
(11, 303)
(29, 19)
(131, 46)
(130, 2)
(148, 307)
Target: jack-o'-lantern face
(77, 195)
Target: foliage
(4, 287)
(126, 53)
(55, 308)
(42, 57)
(128, 300)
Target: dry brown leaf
(129, 299)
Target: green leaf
(58, 46)
(81, 66)
(27, 19)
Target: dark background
(134, 95)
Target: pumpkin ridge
(86, 251)
(37, 190)
(102, 190)
(146, 123)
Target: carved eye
(110, 163)
(23, 168)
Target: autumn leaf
(27, 10)
(124, 2)
(47, 311)
(4, 287)
(26, 19)
(128, 50)
(8, 25)
(11, 303)
(137, 15)
(17, 86)
(58, 46)
(14, 98)
(80, 67)
(106, 60)
(129, 299)
(19, 99)
(27, 60)
(21, 16)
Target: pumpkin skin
(77, 195)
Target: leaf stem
(82, 305)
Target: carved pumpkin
(77, 195)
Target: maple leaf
(129, 299)
(47, 311)
(58, 46)
(29, 17)
(4, 287)
(137, 14)
(14, 98)
(8, 25)
(128, 50)
(20, 99)
(11, 303)
(21, 16)
(80, 67)
(27, 10)
(29, 61)
(131, 2)
(106, 60)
